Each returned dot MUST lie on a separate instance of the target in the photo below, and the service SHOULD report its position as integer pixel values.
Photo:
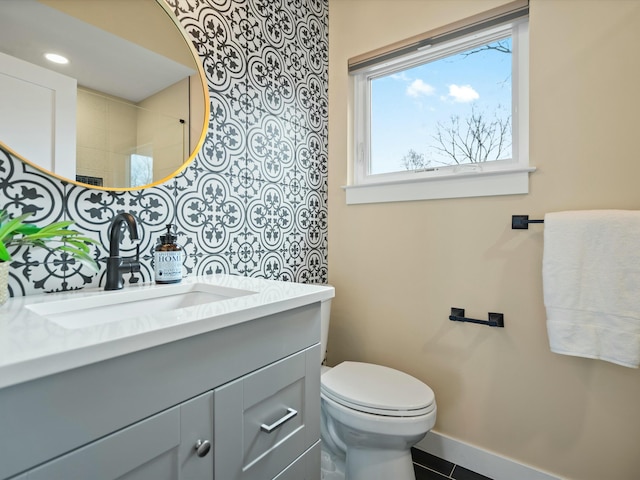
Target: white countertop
(32, 346)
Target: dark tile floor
(430, 467)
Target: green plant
(58, 236)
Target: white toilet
(372, 416)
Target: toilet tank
(325, 312)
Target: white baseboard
(479, 460)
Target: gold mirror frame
(194, 150)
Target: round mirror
(120, 104)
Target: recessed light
(55, 58)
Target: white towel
(591, 279)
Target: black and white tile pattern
(254, 200)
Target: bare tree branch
(477, 140)
(414, 160)
(501, 46)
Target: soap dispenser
(168, 259)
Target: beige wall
(110, 129)
(160, 130)
(399, 267)
(106, 131)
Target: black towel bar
(495, 319)
(521, 222)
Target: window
(445, 117)
(140, 170)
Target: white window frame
(500, 177)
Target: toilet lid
(377, 389)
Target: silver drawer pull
(270, 428)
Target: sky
(407, 106)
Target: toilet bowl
(371, 417)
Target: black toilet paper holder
(495, 319)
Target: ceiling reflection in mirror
(129, 108)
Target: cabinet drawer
(267, 419)
(306, 467)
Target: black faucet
(116, 265)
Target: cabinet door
(266, 420)
(161, 447)
(196, 438)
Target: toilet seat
(379, 390)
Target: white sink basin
(107, 307)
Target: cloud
(402, 76)
(463, 93)
(419, 88)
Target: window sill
(512, 181)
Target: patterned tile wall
(254, 201)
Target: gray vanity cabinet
(162, 447)
(140, 416)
